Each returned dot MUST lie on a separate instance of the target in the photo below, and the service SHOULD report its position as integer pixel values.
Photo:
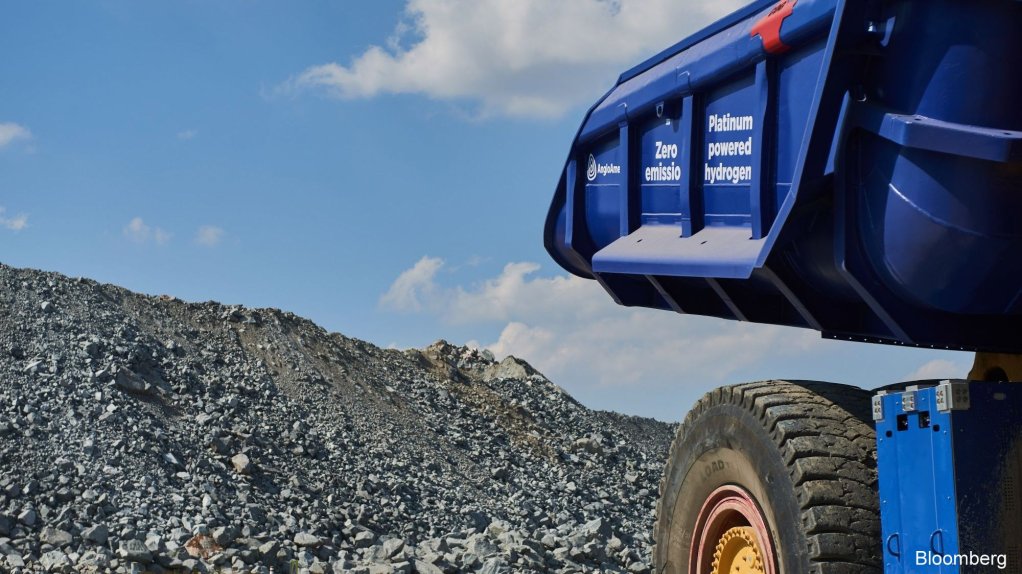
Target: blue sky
(382, 168)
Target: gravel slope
(151, 434)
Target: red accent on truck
(769, 27)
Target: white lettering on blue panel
(734, 155)
(660, 172)
(595, 168)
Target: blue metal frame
(951, 479)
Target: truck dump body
(848, 166)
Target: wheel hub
(738, 552)
(731, 535)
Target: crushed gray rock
(149, 433)
(306, 539)
(96, 534)
(241, 463)
(134, 550)
(55, 537)
(55, 561)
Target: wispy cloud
(11, 132)
(939, 369)
(139, 231)
(187, 134)
(14, 222)
(415, 288)
(524, 58)
(209, 235)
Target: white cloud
(139, 231)
(571, 330)
(938, 369)
(518, 58)
(414, 286)
(637, 360)
(187, 134)
(209, 235)
(15, 222)
(10, 132)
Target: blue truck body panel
(950, 478)
(850, 166)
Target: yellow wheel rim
(738, 552)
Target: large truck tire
(776, 477)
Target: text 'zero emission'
(661, 172)
(733, 148)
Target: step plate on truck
(950, 468)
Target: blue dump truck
(848, 166)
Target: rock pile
(146, 434)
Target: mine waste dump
(146, 434)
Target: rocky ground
(147, 434)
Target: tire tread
(823, 433)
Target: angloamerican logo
(594, 168)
